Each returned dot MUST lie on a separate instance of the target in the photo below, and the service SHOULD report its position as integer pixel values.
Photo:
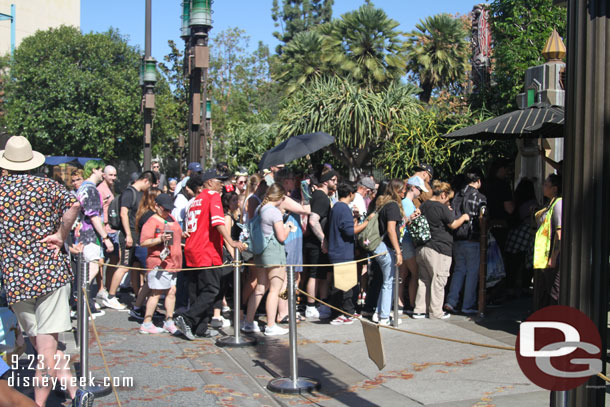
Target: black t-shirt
(320, 204)
(389, 212)
(128, 201)
(497, 192)
(439, 216)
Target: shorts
(127, 254)
(159, 279)
(407, 248)
(273, 255)
(114, 238)
(314, 255)
(49, 314)
(140, 254)
(92, 252)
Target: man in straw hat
(36, 215)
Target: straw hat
(19, 156)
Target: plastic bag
(495, 264)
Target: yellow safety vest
(542, 244)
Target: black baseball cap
(165, 201)
(425, 167)
(213, 174)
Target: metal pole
(84, 332)
(147, 39)
(98, 389)
(397, 283)
(236, 340)
(292, 324)
(294, 383)
(13, 23)
(79, 296)
(148, 92)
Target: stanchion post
(293, 384)
(397, 283)
(98, 389)
(237, 340)
(79, 298)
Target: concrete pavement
(170, 371)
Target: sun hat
(19, 156)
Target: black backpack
(460, 207)
(114, 211)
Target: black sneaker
(184, 327)
(137, 314)
(209, 333)
(83, 398)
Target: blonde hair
(274, 194)
(252, 183)
(392, 193)
(438, 187)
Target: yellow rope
(233, 263)
(410, 332)
(97, 338)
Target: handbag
(419, 229)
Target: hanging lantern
(186, 16)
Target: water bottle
(167, 229)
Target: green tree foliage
(76, 94)
(358, 117)
(301, 61)
(241, 89)
(438, 52)
(520, 29)
(297, 16)
(246, 142)
(365, 45)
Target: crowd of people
(172, 242)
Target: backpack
(114, 212)
(370, 238)
(460, 207)
(253, 237)
(419, 229)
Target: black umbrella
(539, 120)
(295, 147)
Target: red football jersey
(204, 245)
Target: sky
(253, 16)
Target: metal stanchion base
(98, 389)
(285, 385)
(233, 342)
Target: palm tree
(366, 46)
(301, 60)
(437, 53)
(359, 117)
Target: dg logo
(559, 348)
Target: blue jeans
(466, 259)
(387, 264)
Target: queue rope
(233, 263)
(241, 264)
(99, 344)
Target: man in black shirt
(128, 237)
(314, 251)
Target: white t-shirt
(179, 211)
(359, 204)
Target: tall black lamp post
(197, 62)
(148, 78)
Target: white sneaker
(250, 327)
(114, 303)
(102, 295)
(388, 321)
(375, 317)
(226, 309)
(311, 312)
(324, 312)
(275, 330)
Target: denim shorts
(407, 248)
